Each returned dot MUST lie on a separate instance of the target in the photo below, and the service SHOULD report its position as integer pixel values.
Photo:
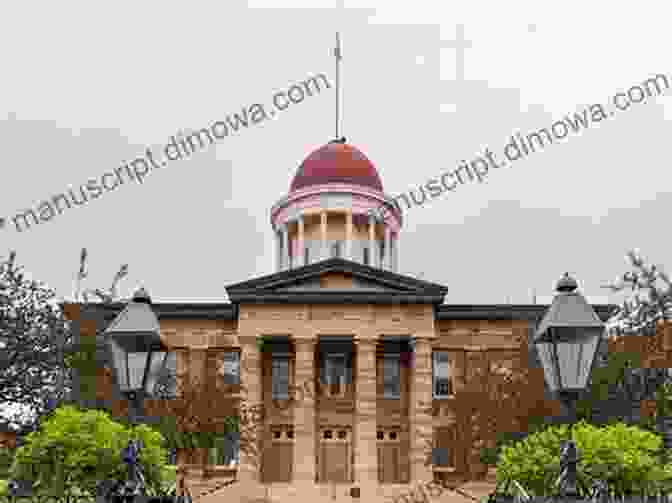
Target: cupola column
(323, 233)
(348, 235)
(301, 254)
(278, 250)
(372, 241)
(285, 247)
(388, 248)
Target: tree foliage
(187, 420)
(649, 300)
(31, 330)
(42, 359)
(80, 448)
(626, 457)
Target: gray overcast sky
(86, 86)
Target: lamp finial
(141, 295)
(566, 284)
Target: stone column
(366, 454)
(420, 414)
(250, 377)
(304, 413)
(387, 264)
(285, 247)
(372, 241)
(348, 235)
(301, 254)
(323, 233)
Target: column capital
(426, 337)
(363, 341)
(304, 340)
(248, 340)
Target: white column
(300, 244)
(395, 253)
(323, 228)
(387, 264)
(278, 250)
(285, 247)
(348, 235)
(372, 241)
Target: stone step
(200, 488)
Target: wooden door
(278, 455)
(334, 457)
(391, 456)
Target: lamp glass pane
(569, 360)
(120, 364)
(136, 369)
(548, 362)
(156, 365)
(589, 344)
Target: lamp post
(567, 339)
(138, 359)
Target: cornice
(530, 312)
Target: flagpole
(337, 56)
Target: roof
(336, 162)
(370, 285)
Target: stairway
(200, 487)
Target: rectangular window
(442, 375)
(336, 372)
(366, 256)
(306, 260)
(280, 377)
(443, 452)
(229, 368)
(226, 450)
(335, 369)
(391, 376)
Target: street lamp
(567, 341)
(138, 359)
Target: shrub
(6, 459)
(4, 486)
(626, 457)
(81, 448)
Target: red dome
(336, 162)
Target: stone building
(382, 363)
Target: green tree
(76, 449)
(30, 326)
(648, 302)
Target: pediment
(329, 279)
(332, 281)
